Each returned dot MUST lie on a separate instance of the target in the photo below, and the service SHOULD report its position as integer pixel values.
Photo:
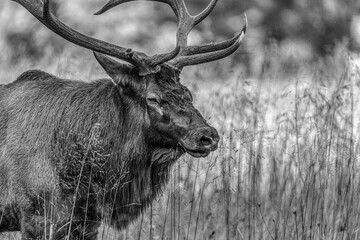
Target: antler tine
(113, 3)
(209, 47)
(201, 16)
(164, 57)
(186, 21)
(194, 55)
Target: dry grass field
(288, 163)
(287, 166)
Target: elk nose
(209, 138)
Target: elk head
(153, 82)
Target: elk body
(73, 154)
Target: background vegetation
(286, 105)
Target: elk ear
(119, 72)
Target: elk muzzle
(199, 142)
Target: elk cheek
(155, 113)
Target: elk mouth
(197, 153)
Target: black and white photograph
(179, 120)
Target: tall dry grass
(287, 163)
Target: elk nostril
(206, 141)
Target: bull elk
(73, 153)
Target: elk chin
(197, 153)
(163, 155)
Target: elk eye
(153, 100)
(165, 102)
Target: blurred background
(301, 31)
(286, 105)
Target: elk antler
(181, 56)
(192, 55)
(145, 64)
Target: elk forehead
(166, 84)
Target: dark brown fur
(51, 131)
